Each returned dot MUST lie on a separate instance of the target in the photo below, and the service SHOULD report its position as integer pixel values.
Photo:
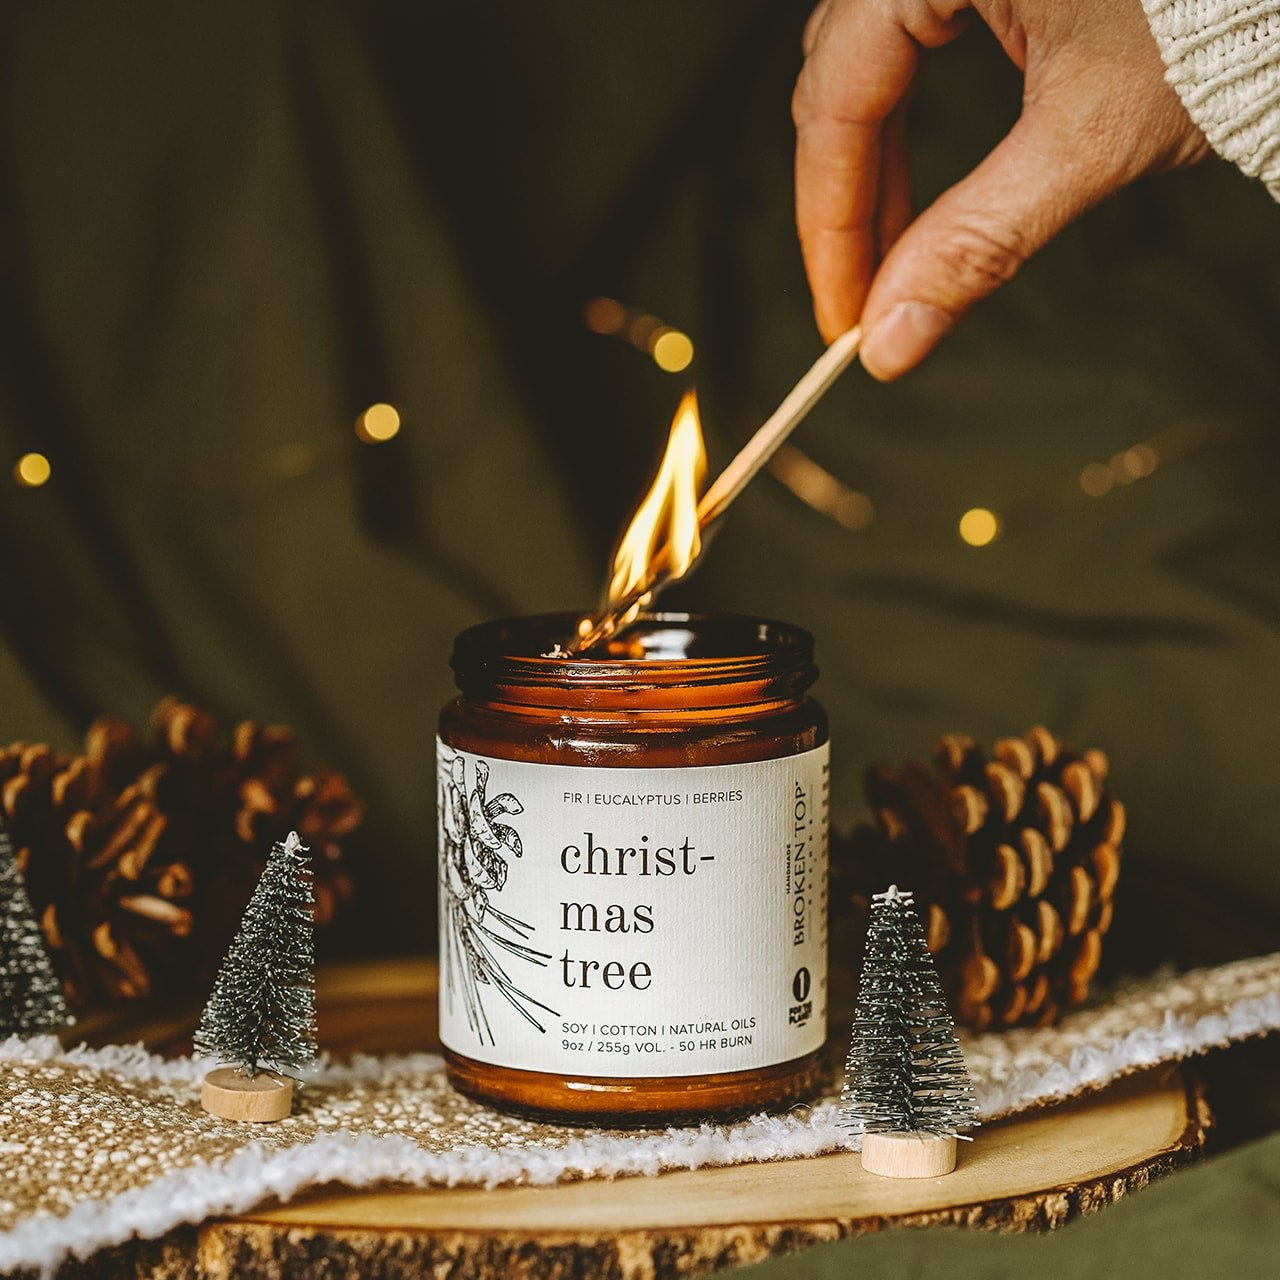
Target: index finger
(859, 67)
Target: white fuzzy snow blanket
(98, 1146)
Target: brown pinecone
(141, 855)
(1013, 858)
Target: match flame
(666, 521)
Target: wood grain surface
(1031, 1172)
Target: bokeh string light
(977, 527)
(378, 424)
(32, 470)
(670, 348)
(297, 458)
(983, 526)
(815, 485)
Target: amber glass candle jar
(633, 869)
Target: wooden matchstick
(778, 426)
(746, 465)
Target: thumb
(974, 238)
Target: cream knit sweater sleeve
(1223, 58)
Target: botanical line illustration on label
(642, 922)
(474, 868)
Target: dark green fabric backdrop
(226, 230)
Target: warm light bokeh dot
(604, 315)
(855, 511)
(641, 330)
(979, 526)
(379, 422)
(32, 470)
(1139, 461)
(672, 350)
(1097, 479)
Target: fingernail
(902, 339)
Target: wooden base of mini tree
(233, 1095)
(908, 1155)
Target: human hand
(1096, 114)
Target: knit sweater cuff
(1223, 59)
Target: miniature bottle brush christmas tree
(260, 1019)
(31, 997)
(906, 1085)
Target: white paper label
(632, 922)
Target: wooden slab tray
(1031, 1172)
(1021, 1174)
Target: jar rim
(662, 648)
